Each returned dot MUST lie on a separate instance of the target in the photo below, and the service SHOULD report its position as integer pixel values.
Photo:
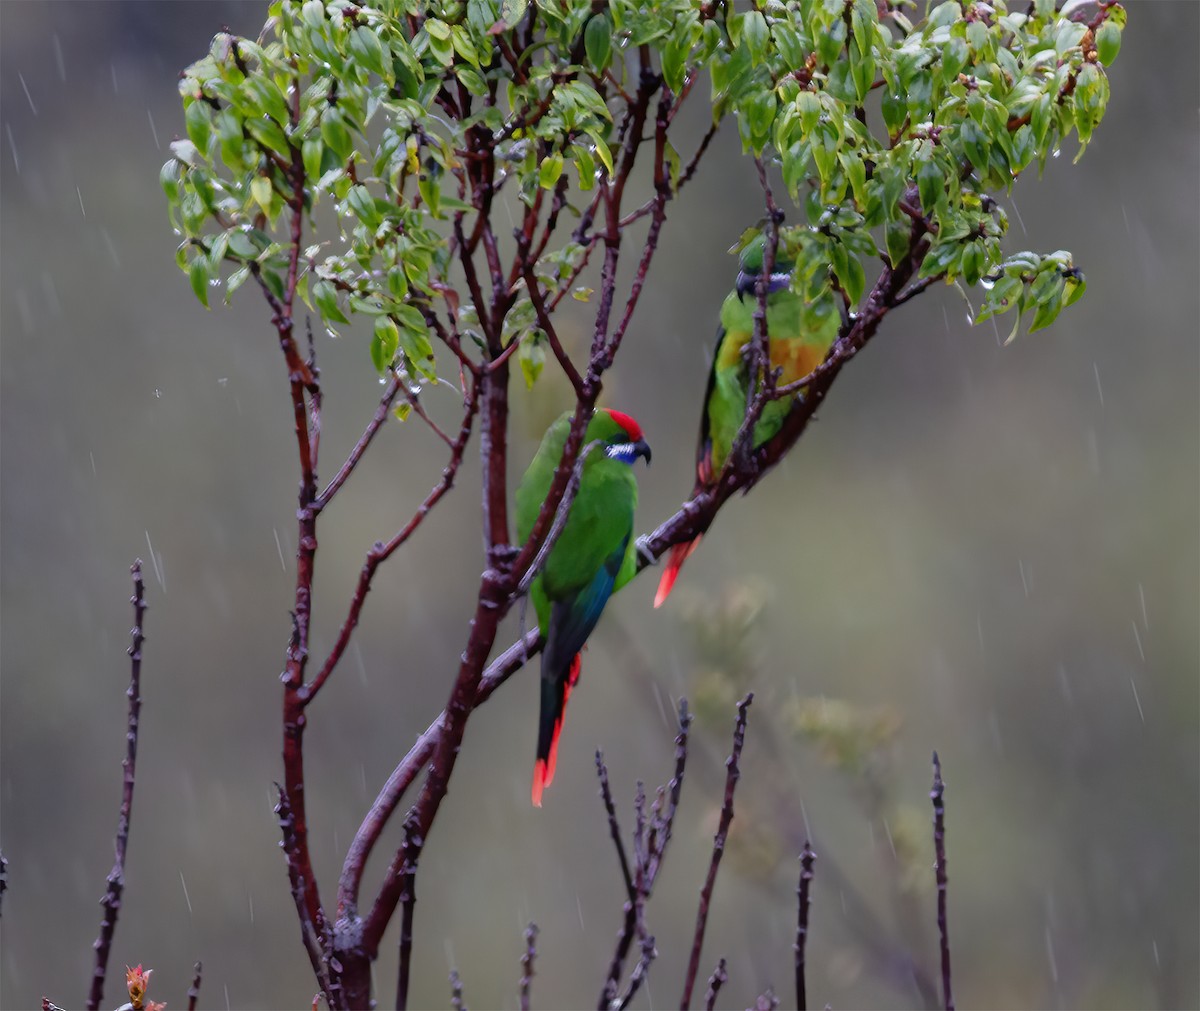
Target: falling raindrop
(58, 58)
(1099, 388)
(279, 548)
(153, 131)
(25, 88)
(186, 897)
(1137, 699)
(82, 209)
(12, 146)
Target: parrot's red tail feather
(679, 554)
(543, 768)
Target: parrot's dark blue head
(751, 265)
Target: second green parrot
(800, 335)
(593, 556)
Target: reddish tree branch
(499, 671)
(360, 447)
(381, 551)
(413, 843)
(733, 773)
(715, 982)
(111, 902)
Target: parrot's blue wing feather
(572, 620)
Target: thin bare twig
(807, 859)
(309, 929)
(649, 848)
(360, 447)
(732, 774)
(456, 992)
(527, 959)
(381, 552)
(765, 1001)
(111, 902)
(410, 853)
(647, 955)
(715, 982)
(193, 993)
(939, 849)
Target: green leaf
(261, 191)
(852, 276)
(335, 134)
(414, 338)
(551, 169)
(168, 178)
(437, 29)
(198, 119)
(531, 356)
(931, 185)
(1108, 42)
(384, 343)
(324, 295)
(755, 35)
(200, 273)
(597, 42)
(364, 45)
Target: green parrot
(800, 335)
(593, 556)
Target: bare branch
(456, 992)
(381, 552)
(193, 993)
(531, 933)
(715, 982)
(807, 859)
(939, 849)
(111, 902)
(410, 853)
(310, 930)
(360, 447)
(733, 773)
(649, 848)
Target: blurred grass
(997, 546)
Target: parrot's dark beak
(642, 448)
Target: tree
(398, 131)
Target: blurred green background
(989, 551)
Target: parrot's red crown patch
(632, 428)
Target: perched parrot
(593, 556)
(800, 334)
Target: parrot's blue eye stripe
(626, 452)
(747, 284)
